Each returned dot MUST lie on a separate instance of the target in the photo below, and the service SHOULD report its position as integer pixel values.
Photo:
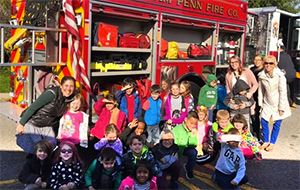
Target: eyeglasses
(269, 63)
(65, 151)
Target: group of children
(141, 154)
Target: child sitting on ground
(104, 172)
(137, 152)
(152, 107)
(249, 146)
(165, 153)
(130, 102)
(111, 140)
(186, 138)
(142, 178)
(36, 171)
(230, 168)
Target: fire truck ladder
(30, 34)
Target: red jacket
(104, 119)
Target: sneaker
(214, 178)
(188, 175)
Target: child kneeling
(230, 168)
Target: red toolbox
(105, 35)
(128, 40)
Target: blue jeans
(224, 180)
(275, 130)
(191, 153)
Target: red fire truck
(123, 38)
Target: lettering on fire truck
(202, 6)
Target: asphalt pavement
(279, 169)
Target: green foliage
(4, 79)
(285, 5)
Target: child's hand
(194, 132)
(280, 112)
(20, 129)
(38, 181)
(232, 101)
(126, 87)
(134, 123)
(71, 185)
(236, 107)
(212, 107)
(248, 95)
(44, 185)
(163, 160)
(243, 105)
(169, 121)
(233, 183)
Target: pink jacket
(104, 119)
(203, 132)
(251, 81)
(128, 184)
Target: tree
(285, 5)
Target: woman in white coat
(272, 98)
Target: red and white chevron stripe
(75, 46)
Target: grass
(4, 79)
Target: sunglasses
(66, 151)
(269, 63)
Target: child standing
(208, 95)
(187, 139)
(138, 151)
(73, 126)
(67, 169)
(152, 108)
(111, 140)
(221, 91)
(130, 102)
(166, 155)
(185, 92)
(237, 100)
(230, 168)
(142, 178)
(104, 172)
(203, 127)
(36, 171)
(249, 146)
(108, 111)
(175, 110)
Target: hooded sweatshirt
(239, 86)
(208, 95)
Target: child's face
(75, 105)
(140, 128)
(66, 153)
(142, 175)
(108, 164)
(202, 116)
(111, 137)
(129, 91)
(167, 140)
(136, 146)
(238, 125)
(213, 83)
(223, 123)
(243, 92)
(190, 123)
(233, 144)
(164, 85)
(182, 89)
(175, 90)
(40, 154)
(154, 95)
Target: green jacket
(208, 95)
(184, 139)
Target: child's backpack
(172, 50)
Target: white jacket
(272, 95)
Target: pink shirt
(70, 127)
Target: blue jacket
(124, 106)
(153, 114)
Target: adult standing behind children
(40, 119)
(257, 68)
(208, 95)
(236, 71)
(272, 98)
(130, 102)
(186, 137)
(108, 111)
(152, 107)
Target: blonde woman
(272, 98)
